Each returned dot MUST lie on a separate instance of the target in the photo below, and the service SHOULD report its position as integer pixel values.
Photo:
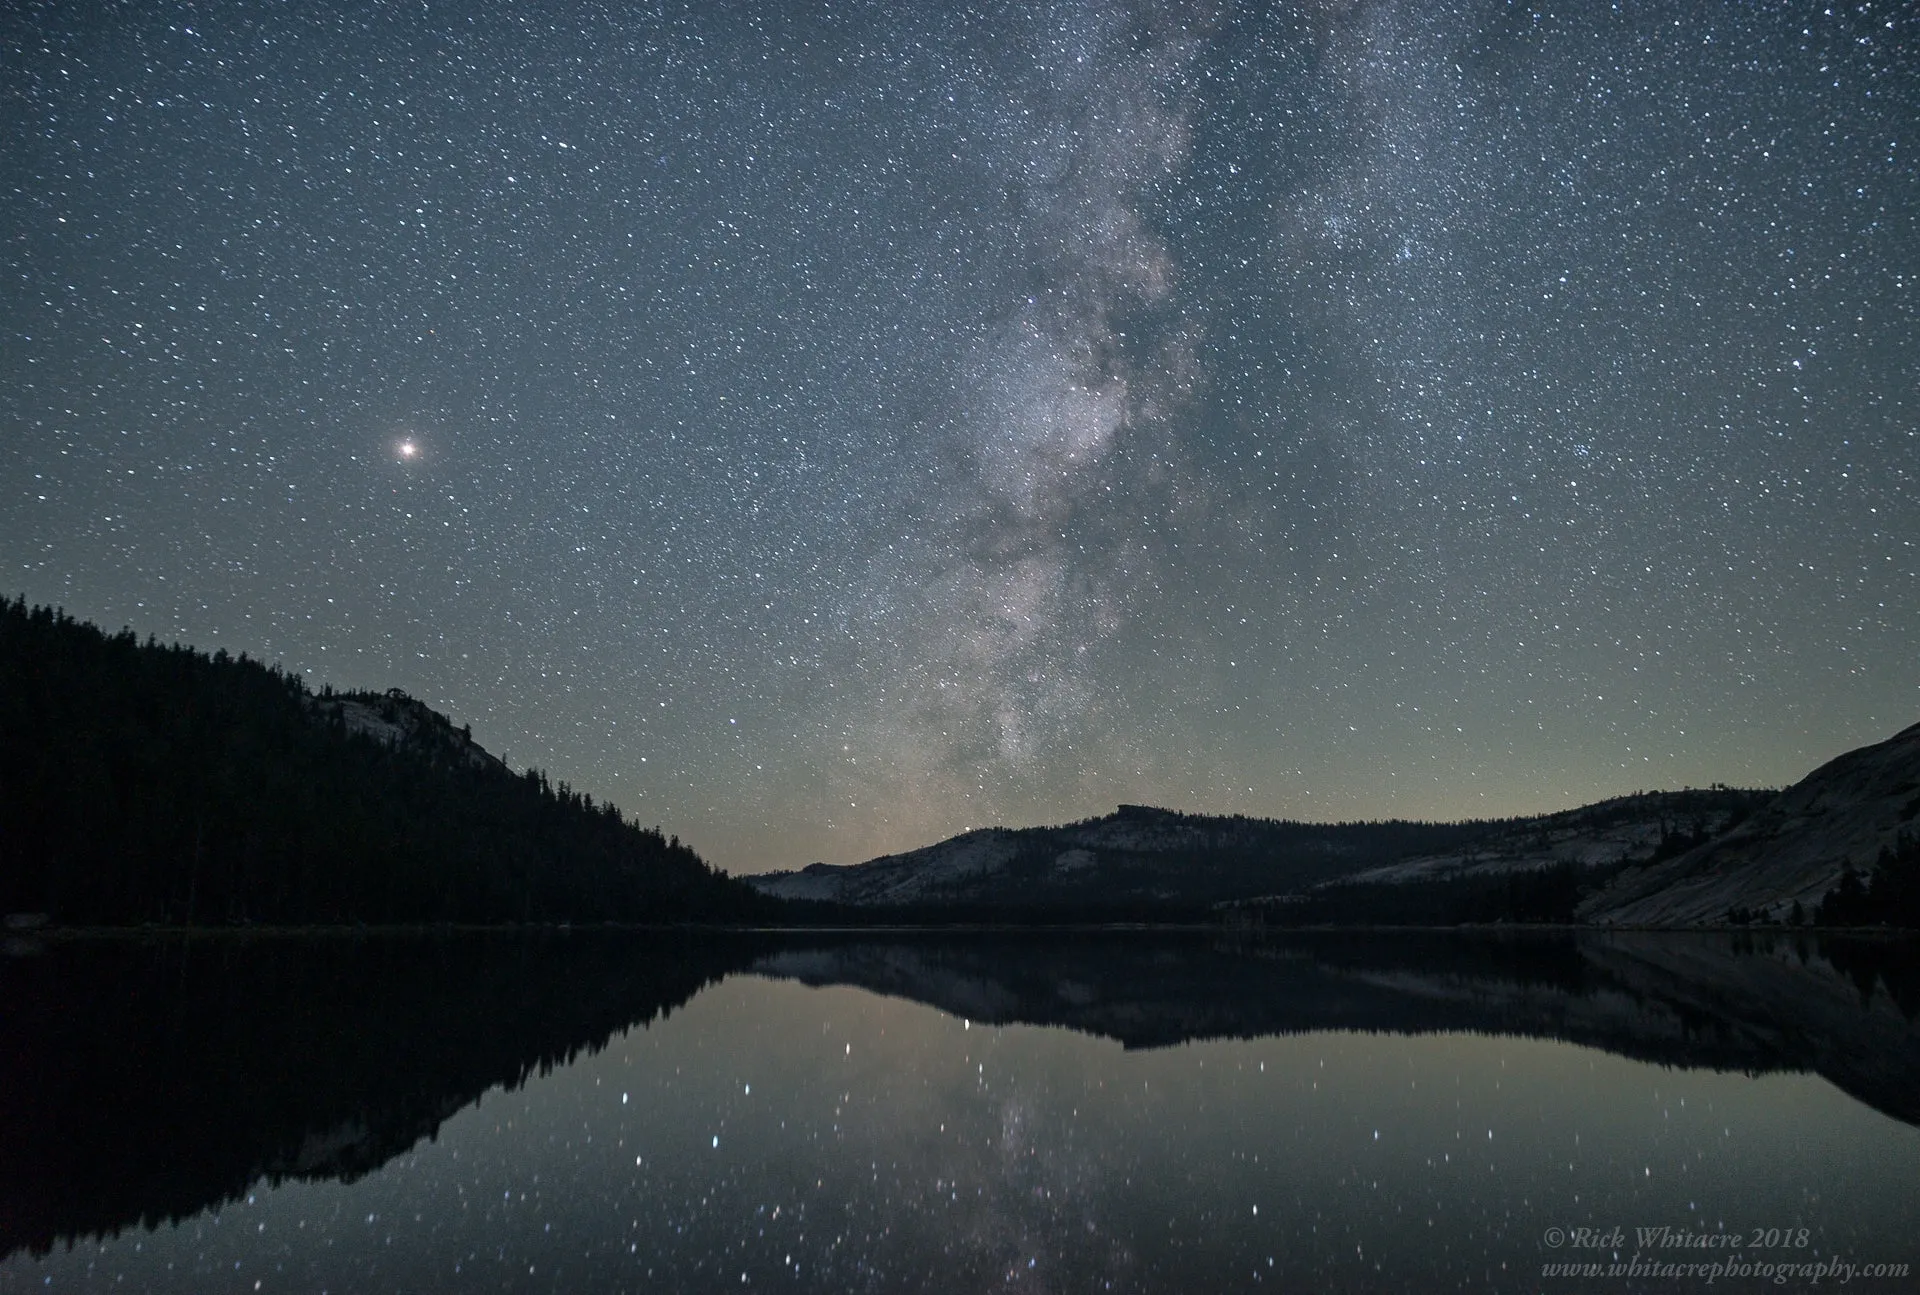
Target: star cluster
(822, 428)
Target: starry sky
(821, 428)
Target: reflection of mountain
(1845, 1009)
(147, 1080)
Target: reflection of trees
(150, 1079)
(1754, 1002)
(143, 1080)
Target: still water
(1117, 1114)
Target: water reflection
(144, 1080)
(856, 1113)
(1842, 1007)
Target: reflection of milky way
(839, 427)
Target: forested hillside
(141, 782)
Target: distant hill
(1136, 856)
(142, 783)
(1139, 860)
(1857, 814)
(1521, 870)
(1839, 848)
(148, 783)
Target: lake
(1052, 1112)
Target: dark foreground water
(623, 1112)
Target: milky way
(822, 429)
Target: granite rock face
(1150, 856)
(396, 720)
(1137, 853)
(1793, 851)
(1758, 855)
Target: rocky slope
(1659, 859)
(1141, 855)
(1136, 855)
(1605, 833)
(1789, 853)
(398, 721)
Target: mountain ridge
(1788, 857)
(1689, 858)
(1145, 854)
(150, 784)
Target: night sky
(823, 428)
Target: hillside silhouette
(143, 782)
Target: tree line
(1889, 895)
(142, 782)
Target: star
(1395, 411)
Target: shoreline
(60, 933)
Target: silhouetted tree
(142, 783)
